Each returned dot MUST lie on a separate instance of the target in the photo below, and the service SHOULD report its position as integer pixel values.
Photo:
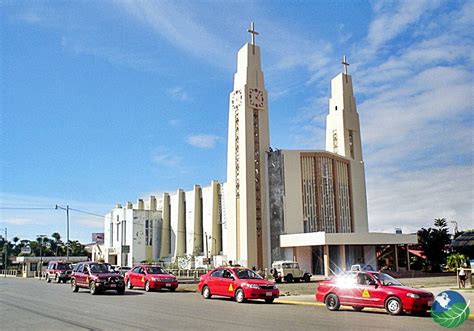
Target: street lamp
(67, 228)
(41, 236)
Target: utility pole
(41, 236)
(67, 228)
(5, 248)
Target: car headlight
(413, 295)
(275, 287)
(255, 286)
(155, 279)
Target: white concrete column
(326, 261)
(342, 254)
(198, 225)
(181, 235)
(216, 227)
(165, 247)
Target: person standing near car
(462, 276)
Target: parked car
(362, 267)
(123, 270)
(372, 289)
(96, 277)
(239, 283)
(58, 271)
(289, 271)
(150, 277)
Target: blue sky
(104, 102)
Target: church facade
(308, 205)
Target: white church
(304, 205)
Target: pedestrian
(462, 276)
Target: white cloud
(206, 141)
(166, 158)
(179, 93)
(21, 221)
(413, 199)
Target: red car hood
(406, 289)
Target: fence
(10, 273)
(188, 273)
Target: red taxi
(150, 277)
(238, 283)
(372, 289)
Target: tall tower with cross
(343, 138)
(248, 141)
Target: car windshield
(387, 280)
(62, 266)
(247, 274)
(155, 270)
(97, 268)
(290, 265)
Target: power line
(27, 208)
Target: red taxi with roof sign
(238, 283)
(150, 277)
(372, 289)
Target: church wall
(293, 204)
(276, 194)
(190, 222)
(207, 216)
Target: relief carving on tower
(236, 104)
(258, 195)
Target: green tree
(454, 261)
(433, 242)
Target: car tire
(172, 289)
(57, 279)
(147, 286)
(48, 280)
(332, 302)
(129, 284)
(289, 278)
(393, 305)
(92, 288)
(269, 300)
(74, 286)
(121, 290)
(239, 296)
(206, 292)
(306, 278)
(357, 308)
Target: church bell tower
(343, 138)
(248, 142)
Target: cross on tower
(254, 33)
(345, 64)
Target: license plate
(268, 294)
(112, 285)
(168, 285)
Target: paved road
(34, 304)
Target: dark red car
(96, 277)
(58, 271)
(150, 277)
(238, 283)
(372, 289)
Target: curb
(319, 304)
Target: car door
(227, 284)
(79, 275)
(214, 282)
(134, 276)
(369, 292)
(346, 288)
